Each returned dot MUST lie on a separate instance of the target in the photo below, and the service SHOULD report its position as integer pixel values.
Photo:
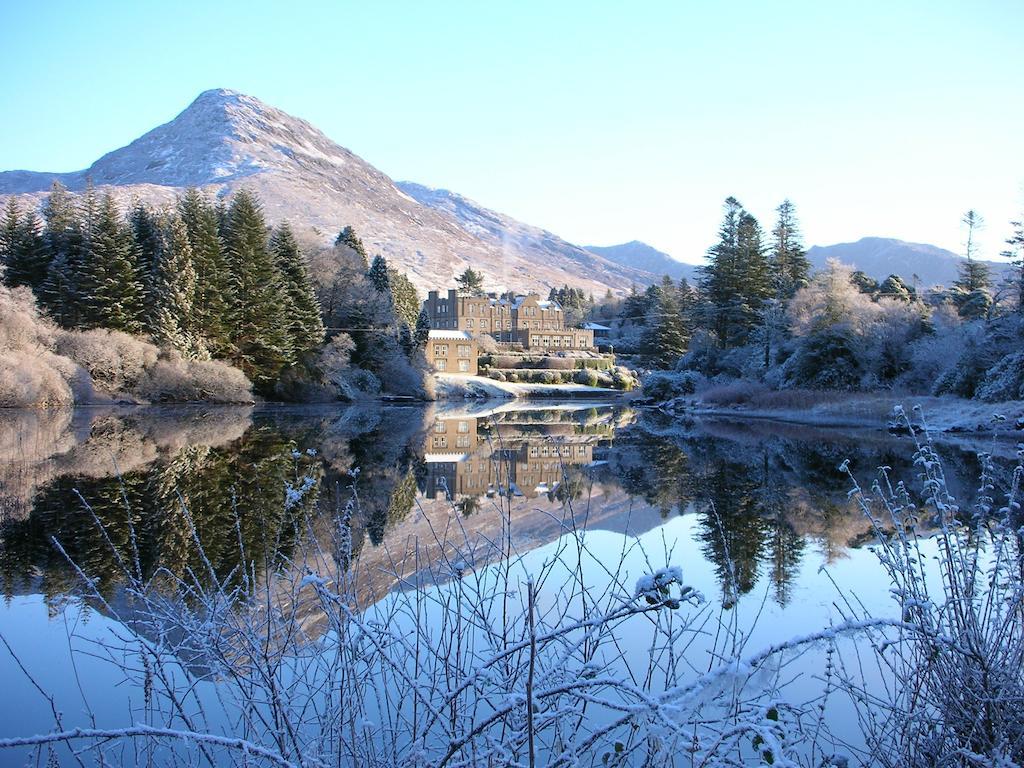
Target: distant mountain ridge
(879, 257)
(647, 258)
(225, 140)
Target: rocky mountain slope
(225, 140)
(648, 258)
(880, 257)
(506, 233)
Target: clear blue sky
(603, 122)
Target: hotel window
(472, 309)
(439, 426)
(469, 322)
(557, 341)
(440, 350)
(464, 366)
(442, 364)
(441, 442)
(462, 441)
(483, 325)
(464, 350)
(463, 426)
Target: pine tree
(379, 276)
(422, 332)
(736, 281)
(404, 299)
(665, 338)
(173, 290)
(348, 238)
(305, 324)
(113, 293)
(471, 282)
(258, 329)
(29, 261)
(9, 238)
(789, 263)
(1015, 254)
(212, 297)
(971, 289)
(63, 239)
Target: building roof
(595, 327)
(450, 335)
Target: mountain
(225, 140)
(647, 258)
(506, 233)
(880, 257)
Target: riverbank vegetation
(192, 293)
(758, 313)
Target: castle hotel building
(527, 319)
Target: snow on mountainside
(505, 232)
(225, 140)
(880, 257)
(643, 256)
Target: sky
(603, 122)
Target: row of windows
(442, 365)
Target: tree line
(208, 279)
(756, 311)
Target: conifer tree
(348, 238)
(789, 263)
(212, 297)
(63, 238)
(971, 289)
(258, 329)
(404, 299)
(173, 290)
(113, 293)
(736, 281)
(304, 323)
(9, 226)
(665, 338)
(471, 282)
(29, 261)
(422, 332)
(379, 276)
(1015, 254)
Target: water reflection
(266, 487)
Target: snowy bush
(29, 380)
(115, 360)
(586, 376)
(175, 379)
(1004, 380)
(665, 385)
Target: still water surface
(263, 480)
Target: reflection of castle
(468, 456)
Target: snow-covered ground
(942, 414)
(451, 385)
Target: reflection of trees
(235, 495)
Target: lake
(755, 514)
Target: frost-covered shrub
(175, 379)
(587, 377)
(550, 377)
(1004, 380)
(115, 360)
(622, 378)
(825, 360)
(29, 380)
(558, 363)
(702, 355)
(496, 374)
(664, 385)
(486, 344)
